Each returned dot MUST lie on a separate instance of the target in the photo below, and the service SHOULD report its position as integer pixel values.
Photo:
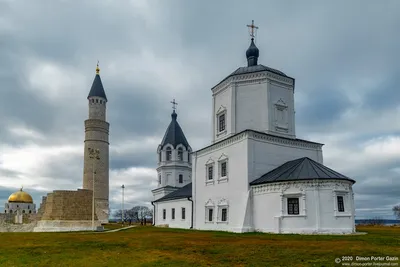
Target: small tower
(174, 163)
(96, 139)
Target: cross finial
(252, 27)
(174, 104)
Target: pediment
(210, 161)
(222, 157)
(280, 103)
(223, 202)
(221, 109)
(210, 203)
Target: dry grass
(149, 246)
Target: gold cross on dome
(252, 27)
(174, 104)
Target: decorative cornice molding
(281, 187)
(224, 143)
(283, 141)
(261, 137)
(252, 78)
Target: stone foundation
(65, 226)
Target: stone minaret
(96, 138)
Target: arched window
(23, 211)
(169, 153)
(180, 178)
(30, 211)
(159, 157)
(5, 211)
(180, 153)
(10, 211)
(159, 179)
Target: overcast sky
(344, 56)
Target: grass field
(149, 246)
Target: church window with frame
(180, 154)
(180, 179)
(164, 214)
(169, 154)
(159, 179)
(173, 213)
(210, 172)
(183, 213)
(224, 168)
(159, 156)
(340, 203)
(210, 214)
(224, 214)
(221, 122)
(293, 206)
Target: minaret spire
(252, 52)
(97, 68)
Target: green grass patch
(150, 246)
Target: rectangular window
(210, 172)
(293, 206)
(180, 178)
(224, 214)
(221, 123)
(180, 154)
(183, 213)
(223, 169)
(173, 214)
(340, 203)
(210, 215)
(164, 214)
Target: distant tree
(396, 211)
(118, 215)
(376, 221)
(140, 214)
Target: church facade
(255, 175)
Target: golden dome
(20, 197)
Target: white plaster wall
(23, 207)
(276, 92)
(178, 222)
(251, 107)
(234, 190)
(317, 209)
(222, 100)
(264, 155)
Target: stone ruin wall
(7, 222)
(67, 205)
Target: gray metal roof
(253, 69)
(97, 88)
(183, 192)
(300, 169)
(174, 134)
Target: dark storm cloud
(331, 59)
(322, 106)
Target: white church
(255, 175)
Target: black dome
(252, 54)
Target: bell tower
(174, 161)
(96, 153)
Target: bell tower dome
(174, 160)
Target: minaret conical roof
(97, 86)
(174, 134)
